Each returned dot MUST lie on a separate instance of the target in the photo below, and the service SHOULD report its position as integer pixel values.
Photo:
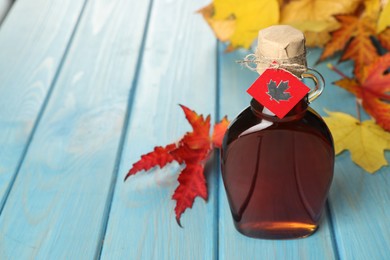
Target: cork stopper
(283, 44)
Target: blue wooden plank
(57, 207)
(359, 201)
(178, 67)
(5, 5)
(33, 40)
(233, 245)
(360, 211)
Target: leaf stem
(335, 69)
(359, 116)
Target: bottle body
(277, 172)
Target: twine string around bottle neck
(297, 63)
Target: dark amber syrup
(277, 172)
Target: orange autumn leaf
(199, 138)
(192, 150)
(373, 90)
(361, 49)
(384, 38)
(341, 36)
(353, 39)
(349, 85)
(219, 132)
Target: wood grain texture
(178, 67)
(359, 201)
(233, 245)
(33, 40)
(360, 210)
(58, 205)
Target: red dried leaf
(373, 90)
(193, 150)
(196, 141)
(160, 156)
(219, 132)
(191, 156)
(198, 123)
(191, 185)
(199, 138)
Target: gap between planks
(125, 128)
(43, 107)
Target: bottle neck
(296, 113)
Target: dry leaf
(317, 39)
(159, 157)
(192, 184)
(315, 17)
(348, 84)
(192, 150)
(199, 138)
(239, 22)
(219, 132)
(360, 49)
(223, 29)
(283, 2)
(384, 38)
(384, 18)
(372, 8)
(373, 89)
(353, 38)
(366, 141)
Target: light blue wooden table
(88, 86)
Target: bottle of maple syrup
(277, 171)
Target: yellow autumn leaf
(372, 8)
(384, 18)
(366, 141)
(223, 29)
(240, 21)
(317, 39)
(315, 17)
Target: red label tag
(278, 90)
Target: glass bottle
(277, 172)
